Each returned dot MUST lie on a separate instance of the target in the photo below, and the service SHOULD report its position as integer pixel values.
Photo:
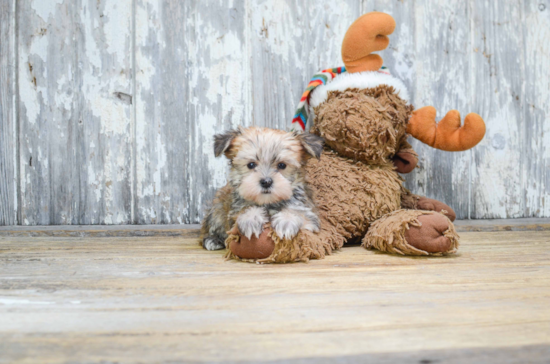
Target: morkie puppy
(266, 184)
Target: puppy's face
(266, 164)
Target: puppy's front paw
(252, 222)
(286, 224)
(213, 243)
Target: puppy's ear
(313, 144)
(222, 142)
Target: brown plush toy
(365, 116)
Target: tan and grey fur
(266, 185)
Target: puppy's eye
(251, 165)
(281, 166)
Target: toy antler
(446, 135)
(369, 34)
(366, 35)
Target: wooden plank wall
(108, 108)
(8, 127)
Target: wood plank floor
(165, 299)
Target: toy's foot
(269, 248)
(412, 232)
(429, 236)
(430, 204)
(253, 248)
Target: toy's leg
(415, 202)
(412, 232)
(270, 248)
(303, 247)
(241, 247)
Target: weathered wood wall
(108, 107)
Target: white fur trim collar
(359, 80)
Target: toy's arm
(410, 201)
(448, 134)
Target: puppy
(266, 184)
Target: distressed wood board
(165, 299)
(108, 108)
(521, 224)
(105, 231)
(8, 116)
(193, 230)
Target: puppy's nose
(266, 182)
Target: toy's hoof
(429, 204)
(429, 236)
(254, 248)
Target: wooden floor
(164, 299)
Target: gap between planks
(193, 230)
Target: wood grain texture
(162, 94)
(109, 231)
(498, 86)
(117, 101)
(442, 82)
(536, 108)
(47, 111)
(168, 300)
(104, 103)
(193, 230)
(75, 80)
(192, 82)
(291, 41)
(8, 119)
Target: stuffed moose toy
(365, 117)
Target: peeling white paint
(93, 183)
(63, 98)
(217, 167)
(250, 68)
(33, 96)
(44, 8)
(112, 117)
(116, 28)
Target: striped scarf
(322, 78)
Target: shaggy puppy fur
(266, 185)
